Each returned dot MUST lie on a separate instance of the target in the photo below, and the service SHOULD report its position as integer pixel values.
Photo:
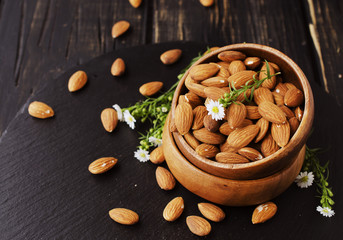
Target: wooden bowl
(277, 161)
(226, 191)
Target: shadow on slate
(46, 191)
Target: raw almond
(252, 112)
(278, 98)
(236, 66)
(263, 212)
(207, 150)
(77, 81)
(262, 94)
(223, 70)
(198, 89)
(211, 124)
(244, 95)
(268, 83)
(229, 56)
(109, 119)
(294, 124)
(170, 56)
(215, 82)
(212, 48)
(164, 179)
(40, 110)
(199, 114)
(207, 3)
(289, 85)
(124, 216)
(250, 153)
(229, 157)
(242, 136)
(183, 118)
(268, 146)
(236, 114)
(275, 66)
(287, 111)
(120, 28)
(226, 129)
(102, 165)
(193, 99)
(214, 93)
(239, 79)
(211, 212)
(271, 112)
(281, 88)
(191, 140)
(294, 97)
(118, 67)
(198, 225)
(225, 147)
(150, 88)
(135, 3)
(205, 136)
(157, 156)
(203, 71)
(174, 209)
(298, 112)
(264, 125)
(182, 99)
(281, 133)
(252, 62)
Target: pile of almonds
(250, 130)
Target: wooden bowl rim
(305, 124)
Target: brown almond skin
(174, 209)
(109, 119)
(194, 87)
(263, 212)
(239, 79)
(170, 56)
(119, 28)
(229, 56)
(182, 99)
(289, 85)
(268, 83)
(281, 89)
(205, 136)
(252, 112)
(263, 94)
(223, 70)
(124, 216)
(236, 66)
(294, 124)
(276, 67)
(242, 136)
(269, 146)
(294, 97)
(225, 147)
(211, 124)
(263, 125)
(198, 225)
(135, 3)
(193, 99)
(199, 114)
(215, 82)
(250, 153)
(77, 81)
(150, 88)
(214, 93)
(118, 67)
(237, 112)
(287, 111)
(278, 98)
(191, 140)
(157, 156)
(183, 118)
(207, 3)
(207, 150)
(252, 62)
(164, 179)
(241, 97)
(203, 71)
(229, 157)
(102, 165)
(298, 112)
(226, 129)
(281, 133)
(211, 212)
(271, 112)
(40, 110)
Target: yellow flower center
(143, 155)
(215, 110)
(130, 119)
(304, 179)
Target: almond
(236, 114)
(40, 110)
(263, 212)
(118, 67)
(229, 56)
(174, 209)
(262, 94)
(211, 49)
(183, 118)
(172, 127)
(252, 112)
(109, 119)
(211, 124)
(281, 133)
(275, 66)
(193, 87)
(298, 112)
(120, 28)
(244, 95)
(207, 150)
(157, 156)
(150, 88)
(193, 99)
(77, 81)
(268, 146)
(207, 3)
(223, 70)
(198, 225)
(229, 157)
(191, 140)
(214, 93)
(250, 153)
(225, 147)
(205, 136)
(281, 88)
(211, 212)
(203, 71)
(239, 79)
(135, 3)
(294, 124)
(215, 82)
(164, 179)
(287, 111)
(252, 62)
(170, 56)
(226, 129)
(289, 85)
(264, 125)
(271, 112)
(102, 165)
(242, 136)
(267, 83)
(278, 98)
(124, 216)
(224, 65)
(182, 99)
(199, 114)
(294, 97)
(236, 66)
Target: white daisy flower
(326, 212)
(164, 109)
(304, 179)
(129, 119)
(215, 109)
(119, 112)
(142, 155)
(155, 141)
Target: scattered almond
(298, 112)
(214, 93)
(198, 225)
(170, 56)
(164, 179)
(263, 212)
(118, 67)
(281, 89)
(77, 81)
(157, 156)
(287, 111)
(226, 129)
(207, 3)
(150, 88)
(174, 209)
(211, 212)
(102, 165)
(278, 98)
(120, 28)
(124, 216)
(109, 119)
(40, 110)
(135, 3)
(193, 99)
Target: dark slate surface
(46, 191)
